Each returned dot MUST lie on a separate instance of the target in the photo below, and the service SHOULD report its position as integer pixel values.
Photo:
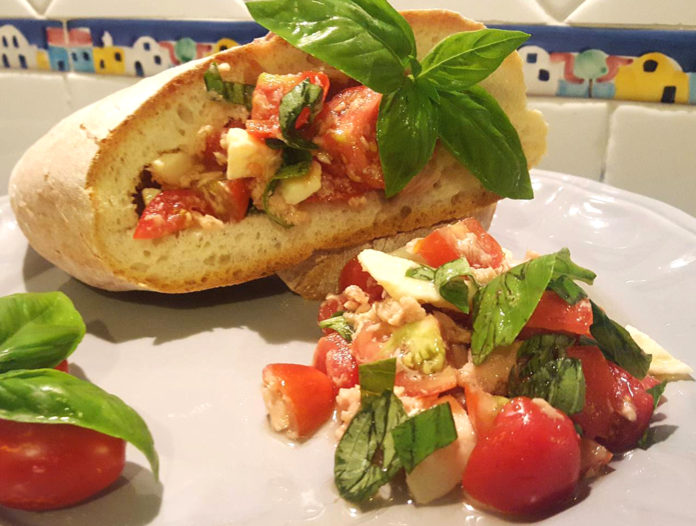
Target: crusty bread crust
(72, 191)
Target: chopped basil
(234, 92)
(372, 43)
(37, 330)
(422, 434)
(377, 377)
(338, 323)
(365, 457)
(303, 96)
(421, 272)
(567, 289)
(450, 283)
(47, 396)
(617, 344)
(296, 163)
(564, 272)
(656, 392)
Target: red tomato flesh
(353, 274)
(554, 314)
(169, 212)
(333, 357)
(50, 466)
(528, 463)
(466, 238)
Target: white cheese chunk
(248, 156)
(390, 272)
(298, 189)
(663, 363)
(172, 168)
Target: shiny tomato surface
(169, 212)
(333, 357)
(528, 463)
(554, 314)
(50, 466)
(353, 274)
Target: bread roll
(73, 191)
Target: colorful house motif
(15, 50)
(57, 49)
(81, 55)
(109, 59)
(146, 57)
(540, 73)
(589, 73)
(653, 77)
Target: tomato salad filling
(297, 142)
(464, 368)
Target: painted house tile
(28, 44)
(500, 11)
(145, 47)
(649, 152)
(632, 13)
(169, 9)
(577, 137)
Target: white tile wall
(84, 88)
(560, 9)
(40, 5)
(651, 151)
(635, 13)
(227, 9)
(578, 133)
(16, 8)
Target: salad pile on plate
(451, 362)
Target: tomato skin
(482, 408)
(63, 366)
(609, 391)
(465, 238)
(528, 463)
(353, 274)
(169, 212)
(51, 466)
(333, 357)
(268, 93)
(416, 383)
(554, 314)
(347, 132)
(306, 395)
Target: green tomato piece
(421, 345)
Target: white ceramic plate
(191, 365)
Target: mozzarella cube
(298, 189)
(248, 156)
(663, 363)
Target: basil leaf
(566, 267)
(339, 324)
(234, 92)
(377, 377)
(541, 348)
(617, 344)
(304, 95)
(37, 330)
(359, 469)
(296, 163)
(464, 59)
(406, 135)
(422, 272)
(477, 132)
(366, 39)
(424, 433)
(451, 285)
(560, 382)
(47, 396)
(504, 305)
(656, 392)
(567, 289)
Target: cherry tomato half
(353, 274)
(554, 314)
(528, 463)
(333, 357)
(50, 466)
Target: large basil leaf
(475, 129)
(377, 377)
(365, 457)
(47, 396)
(464, 59)
(37, 330)
(361, 38)
(504, 305)
(406, 135)
(304, 95)
(421, 435)
(617, 344)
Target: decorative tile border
(624, 64)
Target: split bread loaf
(74, 192)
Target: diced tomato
(333, 356)
(169, 212)
(367, 345)
(353, 274)
(268, 93)
(482, 408)
(528, 463)
(347, 132)
(593, 456)
(416, 383)
(62, 366)
(228, 199)
(299, 398)
(617, 407)
(554, 314)
(465, 238)
(329, 307)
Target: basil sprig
(37, 330)
(617, 345)
(47, 396)
(437, 97)
(303, 96)
(234, 92)
(544, 371)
